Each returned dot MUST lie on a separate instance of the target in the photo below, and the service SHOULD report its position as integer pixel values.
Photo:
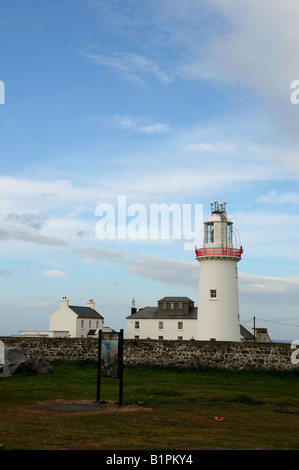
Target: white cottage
(79, 322)
(173, 318)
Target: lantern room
(219, 236)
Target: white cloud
(273, 197)
(14, 233)
(130, 66)
(270, 285)
(221, 148)
(55, 273)
(142, 125)
(180, 273)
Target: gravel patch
(85, 406)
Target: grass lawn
(164, 409)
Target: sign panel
(110, 360)
(110, 355)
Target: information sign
(110, 360)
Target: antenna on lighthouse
(218, 207)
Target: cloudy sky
(152, 102)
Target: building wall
(218, 317)
(83, 325)
(153, 329)
(63, 319)
(165, 353)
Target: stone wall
(165, 353)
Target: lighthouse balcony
(218, 252)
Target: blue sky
(158, 101)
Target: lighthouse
(218, 297)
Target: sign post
(110, 360)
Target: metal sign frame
(110, 360)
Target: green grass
(174, 409)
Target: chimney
(64, 302)
(91, 304)
(133, 307)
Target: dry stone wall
(165, 353)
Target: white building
(79, 322)
(72, 322)
(218, 297)
(173, 318)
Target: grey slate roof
(175, 299)
(245, 333)
(156, 313)
(86, 312)
(187, 310)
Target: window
(89, 324)
(213, 294)
(97, 324)
(180, 338)
(136, 337)
(160, 325)
(230, 233)
(160, 337)
(209, 232)
(180, 325)
(137, 325)
(82, 323)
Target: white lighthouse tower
(218, 298)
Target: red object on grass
(219, 418)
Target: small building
(80, 322)
(173, 318)
(259, 335)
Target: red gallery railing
(233, 252)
